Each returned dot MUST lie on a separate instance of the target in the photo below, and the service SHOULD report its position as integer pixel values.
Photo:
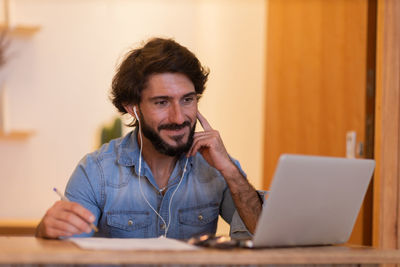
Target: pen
(63, 198)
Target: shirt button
(162, 226)
(130, 222)
(200, 217)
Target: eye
(189, 99)
(161, 103)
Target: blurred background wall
(58, 82)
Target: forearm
(245, 197)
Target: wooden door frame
(386, 221)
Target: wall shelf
(14, 29)
(16, 135)
(8, 29)
(20, 30)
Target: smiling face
(168, 110)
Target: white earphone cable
(140, 185)
(172, 196)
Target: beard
(163, 147)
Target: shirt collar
(128, 151)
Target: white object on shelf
(7, 13)
(351, 141)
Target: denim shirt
(106, 182)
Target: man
(162, 178)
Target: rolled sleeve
(238, 229)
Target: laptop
(312, 200)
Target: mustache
(174, 126)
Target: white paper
(161, 243)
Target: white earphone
(136, 116)
(140, 185)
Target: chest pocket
(198, 220)
(128, 223)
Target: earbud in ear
(134, 111)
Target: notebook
(313, 200)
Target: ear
(132, 110)
(129, 108)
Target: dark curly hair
(156, 56)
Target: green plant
(112, 132)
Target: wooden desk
(34, 251)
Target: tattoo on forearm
(247, 201)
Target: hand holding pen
(65, 218)
(66, 199)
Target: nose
(176, 114)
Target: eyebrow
(165, 97)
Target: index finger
(79, 210)
(204, 123)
